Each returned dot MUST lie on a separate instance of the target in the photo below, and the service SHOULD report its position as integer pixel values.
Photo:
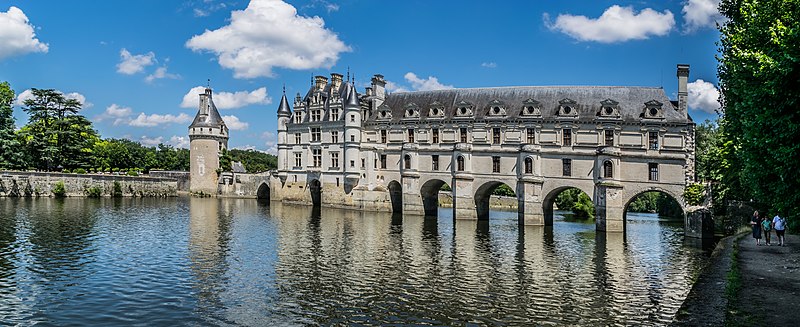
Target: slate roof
(588, 101)
(213, 119)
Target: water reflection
(242, 262)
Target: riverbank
(746, 285)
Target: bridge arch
(396, 196)
(483, 194)
(550, 200)
(315, 187)
(673, 193)
(263, 192)
(430, 196)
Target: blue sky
(137, 64)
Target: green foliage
(657, 202)
(576, 201)
(225, 161)
(79, 171)
(59, 190)
(94, 192)
(132, 172)
(10, 154)
(759, 67)
(504, 190)
(117, 190)
(694, 194)
(445, 188)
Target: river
(204, 261)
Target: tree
(759, 70)
(10, 149)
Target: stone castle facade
(208, 136)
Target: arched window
(407, 162)
(608, 169)
(528, 165)
(460, 163)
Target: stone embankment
(36, 184)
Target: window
(496, 135)
(460, 163)
(653, 140)
(566, 167)
(335, 159)
(435, 162)
(608, 169)
(609, 137)
(352, 138)
(363, 162)
(352, 163)
(528, 165)
(298, 159)
(297, 138)
(316, 155)
(334, 114)
(298, 117)
(407, 162)
(315, 134)
(335, 136)
(531, 135)
(566, 137)
(383, 136)
(411, 135)
(315, 114)
(463, 135)
(435, 135)
(653, 171)
(352, 117)
(495, 164)
(383, 161)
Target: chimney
(320, 82)
(379, 86)
(683, 92)
(205, 102)
(336, 81)
(368, 91)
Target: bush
(694, 194)
(117, 192)
(65, 171)
(132, 172)
(79, 171)
(94, 192)
(59, 190)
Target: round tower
(208, 136)
(352, 137)
(284, 115)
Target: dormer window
(436, 110)
(653, 110)
(411, 111)
(531, 107)
(464, 109)
(384, 112)
(609, 109)
(567, 108)
(496, 109)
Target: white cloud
(425, 84)
(703, 96)
(28, 94)
(700, 13)
(227, 100)
(234, 123)
(270, 34)
(148, 141)
(179, 141)
(489, 64)
(616, 24)
(329, 6)
(131, 64)
(271, 142)
(120, 114)
(145, 120)
(17, 36)
(393, 87)
(161, 72)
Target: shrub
(59, 190)
(132, 172)
(65, 171)
(94, 192)
(694, 194)
(117, 192)
(79, 171)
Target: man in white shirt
(780, 227)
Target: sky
(138, 66)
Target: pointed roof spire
(283, 108)
(352, 98)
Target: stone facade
(393, 152)
(208, 137)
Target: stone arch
(550, 199)
(430, 196)
(315, 187)
(396, 196)
(484, 193)
(263, 192)
(632, 195)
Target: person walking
(780, 228)
(766, 226)
(755, 222)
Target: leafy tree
(759, 69)
(10, 149)
(576, 201)
(253, 160)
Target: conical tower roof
(207, 115)
(283, 108)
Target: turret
(284, 115)
(683, 92)
(352, 134)
(208, 136)
(378, 89)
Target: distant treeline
(58, 138)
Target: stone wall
(41, 184)
(182, 177)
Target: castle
(394, 152)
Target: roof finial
(348, 73)
(284, 88)
(208, 85)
